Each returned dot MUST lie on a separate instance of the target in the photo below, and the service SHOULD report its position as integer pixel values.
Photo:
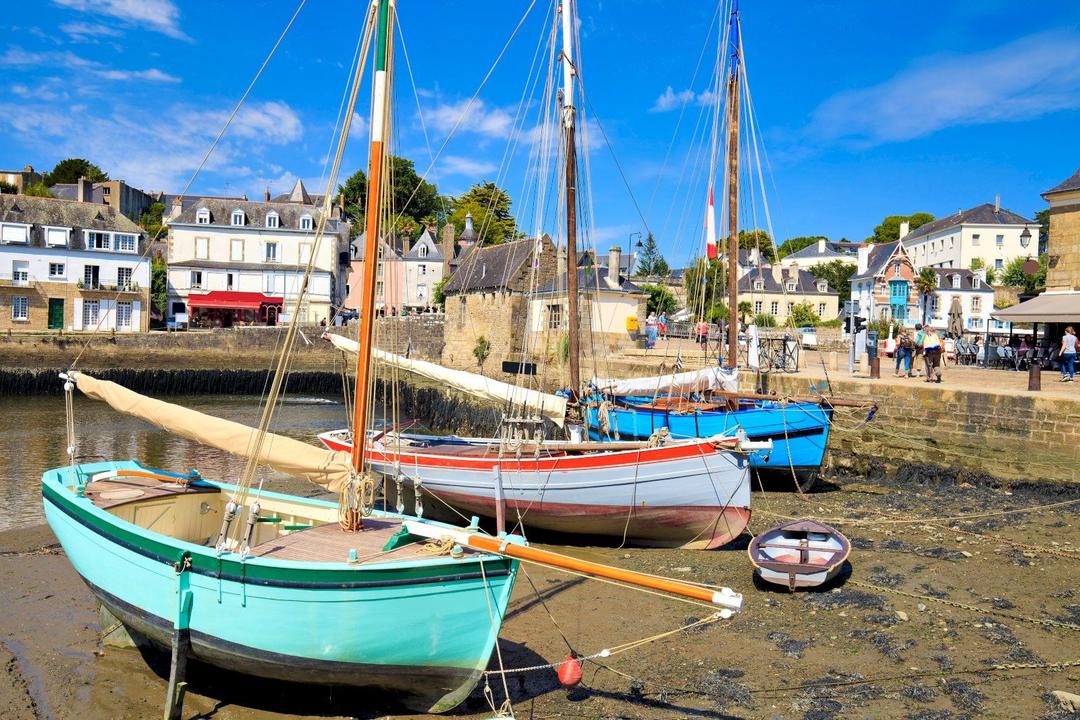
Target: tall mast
(571, 197)
(380, 131)
(733, 189)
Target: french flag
(710, 228)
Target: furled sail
(550, 406)
(292, 457)
(710, 378)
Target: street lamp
(629, 255)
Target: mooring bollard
(875, 368)
(1034, 376)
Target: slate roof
(359, 243)
(254, 213)
(839, 250)
(54, 212)
(587, 279)
(879, 255)
(967, 278)
(979, 215)
(806, 282)
(492, 267)
(434, 253)
(70, 191)
(191, 200)
(586, 258)
(1070, 183)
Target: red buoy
(570, 671)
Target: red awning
(229, 300)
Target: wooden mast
(733, 191)
(574, 349)
(380, 131)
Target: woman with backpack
(903, 353)
(931, 343)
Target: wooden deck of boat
(329, 543)
(122, 490)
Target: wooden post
(574, 327)
(875, 368)
(1035, 376)
(733, 203)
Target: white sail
(710, 378)
(550, 406)
(328, 468)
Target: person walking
(701, 330)
(1068, 354)
(662, 324)
(917, 351)
(903, 353)
(650, 332)
(932, 353)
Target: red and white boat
(693, 494)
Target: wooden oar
(726, 598)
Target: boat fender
(570, 671)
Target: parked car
(808, 336)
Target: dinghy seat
(122, 490)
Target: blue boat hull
(422, 630)
(799, 431)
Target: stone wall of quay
(1014, 437)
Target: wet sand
(781, 658)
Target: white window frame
(759, 285)
(202, 243)
(60, 275)
(999, 241)
(757, 307)
(423, 269)
(20, 308)
(273, 220)
(421, 251)
(123, 315)
(821, 309)
(87, 283)
(90, 322)
(955, 282)
(237, 213)
(20, 273)
(791, 287)
(92, 237)
(202, 216)
(823, 287)
(118, 242)
(267, 255)
(130, 277)
(975, 238)
(25, 239)
(774, 308)
(307, 222)
(50, 229)
(196, 279)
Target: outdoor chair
(998, 357)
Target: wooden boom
(726, 598)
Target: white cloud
(457, 165)
(17, 57)
(88, 32)
(478, 118)
(611, 235)
(1020, 80)
(162, 16)
(358, 129)
(272, 122)
(671, 100)
(152, 75)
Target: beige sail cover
(550, 406)
(292, 457)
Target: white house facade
(424, 267)
(988, 233)
(972, 293)
(72, 266)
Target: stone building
(68, 265)
(884, 284)
(488, 296)
(21, 179)
(775, 290)
(117, 194)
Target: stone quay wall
(1014, 437)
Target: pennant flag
(710, 228)
(678, 360)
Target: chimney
(84, 190)
(177, 208)
(468, 224)
(777, 273)
(266, 194)
(997, 202)
(448, 245)
(614, 259)
(905, 228)
(864, 257)
(335, 212)
(821, 246)
(752, 257)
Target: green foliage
(881, 327)
(1013, 274)
(159, 282)
(744, 309)
(803, 314)
(661, 300)
(978, 264)
(489, 206)
(835, 322)
(758, 240)
(38, 189)
(704, 284)
(151, 220)
(481, 350)
(926, 282)
(71, 169)
(651, 262)
(717, 313)
(765, 320)
(416, 200)
(838, 274)
(1043, 218)
(564, 347)
(7, 188)
(889, 229)
(437, 295)
(795, 244)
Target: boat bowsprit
(799, 553)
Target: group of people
(925, 343)
(654, 328)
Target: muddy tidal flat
(932, 620)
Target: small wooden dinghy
(799, 553)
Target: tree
(745, 308)
(411, 197)
(838, 274)
(159, 282)
(765, 320)
(795, 244)
(489, 206)
(438, 296)
(1043, 218)
(151, 220)
(481, 351)
(38, 189)
(71, 169)
(1013, 274)
(802, 314)
(704, 284)
(889, 229)
(651, 263)
(758, 240)
(7, 188)
(661, 300)
(926, 283)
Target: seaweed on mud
(963, 694)
(823, 709)
(789, 646)
(944, 662)
(1001, 634)
(882, 620)
(1072, 614)
(1001, 603)
(937, 553)
(865, 693)
(934, 592)
(919, 693)
(847, 597)
(1055, 712)
(1064, 594)
(721, 688)
(888, 646)
(879, 575)
(1018, 558)
(860, 543)
(936, 715)
(696, 630)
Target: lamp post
(629, 255)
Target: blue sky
(866, 109)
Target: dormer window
(759, 285)
(306, 222)
(237, 217)
(421, 251)
(956, 282)
(976, 282)
(202, 216)
(791, 287)
(823, 287)
(272, 220)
